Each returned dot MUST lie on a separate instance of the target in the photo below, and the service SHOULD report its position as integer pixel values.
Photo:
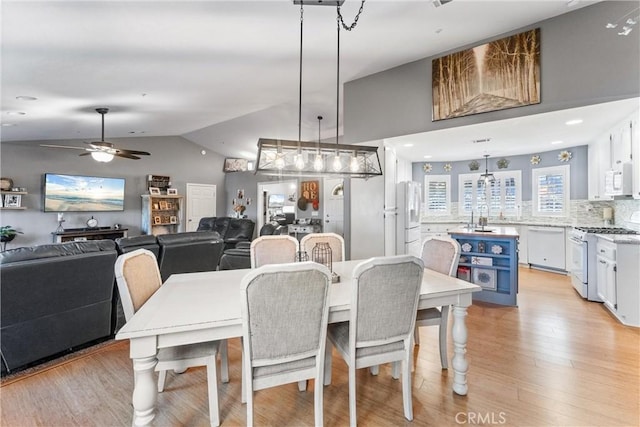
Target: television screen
(74, 193)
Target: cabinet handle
(602, 262)
(601, 251)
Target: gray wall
(578, 170)
(26, 162)
(582, 63)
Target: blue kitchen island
(489, 258)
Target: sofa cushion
(240, 229)
(130, 244)
(217, 224)
(55, 250)
(189, 252)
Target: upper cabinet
(635, 154)
(618, 150)
(599, 161)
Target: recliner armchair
(130, 244)
(232, 230)
(189, 252)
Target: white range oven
(584, 258)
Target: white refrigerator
(409, 198)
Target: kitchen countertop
(513, 223)
(495, 231)
(630, 239)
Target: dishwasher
(546, 248)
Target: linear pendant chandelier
(305, 158)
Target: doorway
(201, 203)
(333, 206)
(287, 189)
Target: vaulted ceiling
(221, 73)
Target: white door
(201, 203)
(333, 206)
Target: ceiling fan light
(101, 156)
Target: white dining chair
(285, 309)
(138, 278)
(276, 249)
(440, 254)
(335, 241)
(384, 299)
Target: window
(504, 195)
(437, 194)
(550, 192)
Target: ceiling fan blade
(62, 146)
(126, 156)
(126, 151)
(100, 144)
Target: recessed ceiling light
(408, 145)
(574, 122)
(16, 113)
(428, 157)
(26, 98)
(556, 142)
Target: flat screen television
(76, 193)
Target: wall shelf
(162, 214)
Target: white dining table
(198, 307)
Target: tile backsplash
(582, 212)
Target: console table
(80, 234)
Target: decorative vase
(321, 253)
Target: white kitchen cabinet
(598, 162)
(635, 153)
(436, 229)
(606, 273)
(618, 272)
(523, 252)
(621, 145)
(546, 247)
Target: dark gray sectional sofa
(54, 298)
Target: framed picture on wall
(235, 165)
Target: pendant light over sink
(486, 176)
(305, 158)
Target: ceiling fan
(103, 151)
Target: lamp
(486, 176)
(303, 158)
(101, 156)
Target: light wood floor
(554, 360)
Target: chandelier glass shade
(486, 176)
(284, 157)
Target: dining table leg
(460, 363)
(144, 391)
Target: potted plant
(7, 234)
